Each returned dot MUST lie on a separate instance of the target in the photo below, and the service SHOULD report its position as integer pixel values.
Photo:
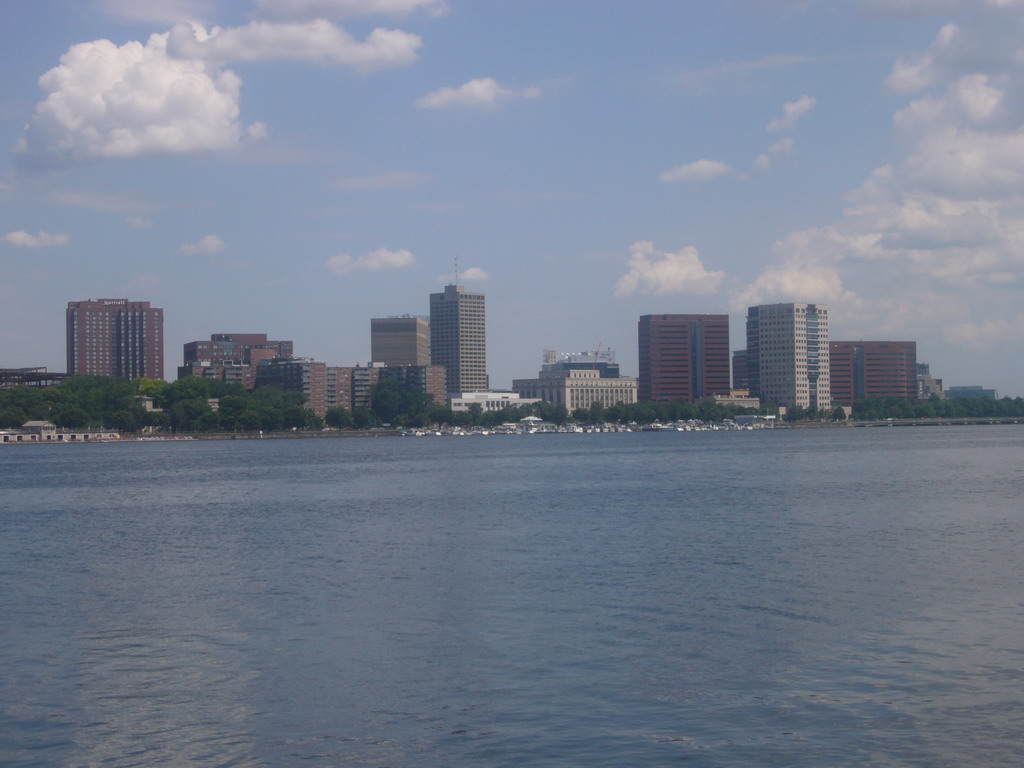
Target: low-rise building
(927, 385)
(973, 390)
(739, 398)
(231, 357)
(490, 401)
(575, 388)
(297, 375)
(47, 432)
(29, 377)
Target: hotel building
(115, 337)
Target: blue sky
(297, 167)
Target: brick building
(861, 369)
(683, 357)
(115, 337)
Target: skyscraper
(401, 340)
(115, 337)
(860, 369)
(788, 355)
(458, 338)
(683, 357)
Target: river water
(816, 598)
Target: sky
(297, 167)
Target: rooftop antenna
(456, 270)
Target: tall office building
(788, 355)
(740, 376)
(458, 338)
(115, 337)
(683, 357)
(860, 369)
(401, 340)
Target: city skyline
(325, 168)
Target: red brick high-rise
(115, 337)
(882, 369)
(683, 357)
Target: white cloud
(317, 40)
(113, 102)
(699, 170)
(481, 92)
(984, 335)
(666, 274)
(971, 100)
(23, 239)
(469, 275)
(792, 111)
(208, 246)
(784, 146)
(794, 281)
(380, 181)
(340, 9)
(139, 222)
(375, 261)
(919, 72)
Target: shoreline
(374, 433)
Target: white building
(787, 354)
(490, 401)
(578, 388)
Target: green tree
(363, 418)
(339, 418)
(71, 417)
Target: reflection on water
(829, 598)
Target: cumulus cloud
(23, 239)
(792, 111)
(665, 274)
(483, 92)
(340, 9)
(808, 270)
(317, 40)
(785, 146)
(374, 261)
(171, 94)
(948, 217)
(208, 246)
(114, 102)
(380, 181)
(699, 170)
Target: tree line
(207, 405)
(186, 405)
